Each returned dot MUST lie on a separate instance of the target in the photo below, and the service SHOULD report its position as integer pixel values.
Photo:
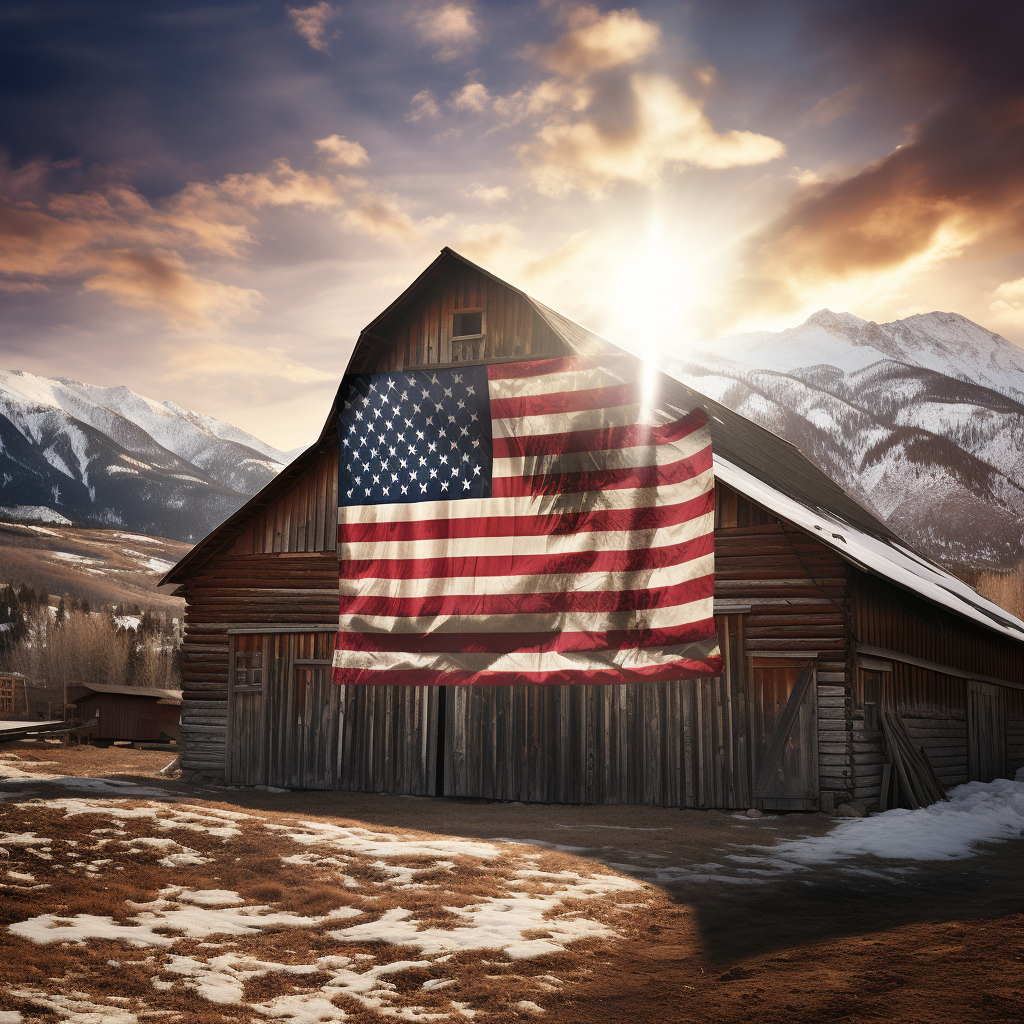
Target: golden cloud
(473, 97)
(138, 253)
(666, 129)
(424, 104)
(600, 43)
(336, 149)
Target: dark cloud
(960, 171)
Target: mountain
(921, 420)
(110, 457)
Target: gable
(421, 330)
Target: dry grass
(1004, 589)
(280, 961)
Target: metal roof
(130, 691)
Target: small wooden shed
(13, 699)
(137, 713)
(826, 620)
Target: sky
(206, 201)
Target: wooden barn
(832, 633)
(137, 713)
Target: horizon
(206, 203)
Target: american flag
(535, 522)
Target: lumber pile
(909, 769)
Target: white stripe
(546, 544)
(517, 661)
(554, 383)
(551, 583)
(615, 458)
(530, 504)
(583, 419)
(546, 622)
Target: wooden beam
(296, 628)
(934, 666)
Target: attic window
(468, 324)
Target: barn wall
(423, 335)
(795, 587)
(933, 705)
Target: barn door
(245, 761)
(986, 732)
(784, 726)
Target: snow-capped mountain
(921, 419)
(112, 457)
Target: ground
(130, 898)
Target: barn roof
(130, 691)
(760, 465)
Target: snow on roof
(884, 558)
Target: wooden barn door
(784, 728)
(986, 732)
(245, 761)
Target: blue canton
(419, 435)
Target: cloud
(956, 180)
(599, 43)
(380, 215)
(220, 360)
(147, 255)
(829, 108)
(424, 104)
(311, 23)
(451, 27)
(1008, 301)
(490, 196)
(660, 128)
(336, 149)
(473, 97)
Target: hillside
(110, 457)
(921, 420)
(100, 566)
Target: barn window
(249, 661)
(468, 324)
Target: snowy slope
(111, 456)
(921, 420)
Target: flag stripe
(615, 559)
(551, 602)
(700, 563)
(561, 402)
(604, 479)
(527, 641)
(516, 526)
(574, 366)
(597, 439)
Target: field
(130, 898)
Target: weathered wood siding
(423, 335)
(279, 568)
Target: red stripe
(684, 668)
(509, 643)
(575, 562)
(563, 364)
(603, 479)
(558, 524)
(600, 439)
(566, 401)
(549, 603)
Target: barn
(845, 653)
(137, 713)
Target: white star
(405, 490)
(408, 424)
(434, 380)
(444, 460)
(462, 404)
(432, 447)
(366, 467)
(444, 485)
(412, 449)
(426, 393)
(465, 457)
(405, 396)
(423, 488)
(476, 470)
(472, 417)
(470, 389)
(359, 415)
(394, 478)
(437, 407)
(458, 378)
(465, 485)
(465, 431)
(373, 453)
(416, 409)
(400, 438)
(366, 402)
(391, 383)
(419, 435)
(345, 442)
(455, 470)
(384, 491)
(455, 444)
(350, 494)
(367, 491)
(373, 387)
(447, 392)
(423, 461)
(433, 474)
(451, 419)
(430, 421)
(359, 480)
(403, 463)
(393, 450)
(376, 478)
(476, 443)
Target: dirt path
(736, 931)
